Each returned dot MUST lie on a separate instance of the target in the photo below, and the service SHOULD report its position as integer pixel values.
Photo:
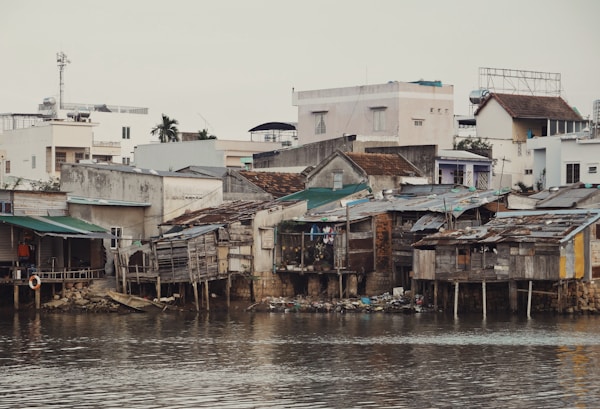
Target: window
(379, 119)
(5, 207)
(126, 132)
(7, 165)
(459, 176)
(529, 171)
(79, 156)
(61, 157)
(418, 122)
(572, 172)
(126, 160)
(593, 169)
(33, 162)
(320, 127)
(117, 232)
(338, 179)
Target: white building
(208, 152)
(36, 153)
(507, 121)
(565, 159)
(403, 113)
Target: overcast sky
(231, 65)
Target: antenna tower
(61, 60)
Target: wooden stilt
(207, 295)
(195, 286)
(228, 289)
(456, 300)
(124, 278)
(435, 294)
(340, 280)
(484, 298)
(16, 297)
(559, 298)
(38, 298)
(529, 299)
(512, 296)
(158, 295)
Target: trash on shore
(381, 303)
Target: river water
(297, 360)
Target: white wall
(552, 153)
(21, 145)
(495, 126)
(350, 111)
(109, 129)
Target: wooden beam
(529, 299)
(522, 290)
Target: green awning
(319, 196)
(63, 226)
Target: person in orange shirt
(23, 252)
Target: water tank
(477, 96)
(49, 101)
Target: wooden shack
(537, 253)
(228, 249)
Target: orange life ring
(38, 282)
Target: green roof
(57, 226)
(319, 196)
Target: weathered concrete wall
(423, 157)
(306, 155)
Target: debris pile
(380, 303)
(80, 298)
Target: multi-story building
(401, 113)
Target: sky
(229, 65)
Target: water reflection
(298, 360)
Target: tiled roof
(528, 106)
(276, 183)
(383, 164)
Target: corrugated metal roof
(191, 231)
(557, 226)
(464, 155)
(457, 201)
(319, 196)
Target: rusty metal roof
(557, 226)
(226, 213)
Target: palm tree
(167, 130)
(203, 135)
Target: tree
(472, 144)
(167, 130)
(203, 135)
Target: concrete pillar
(484, 298)
(456, 300)
(529, 299)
